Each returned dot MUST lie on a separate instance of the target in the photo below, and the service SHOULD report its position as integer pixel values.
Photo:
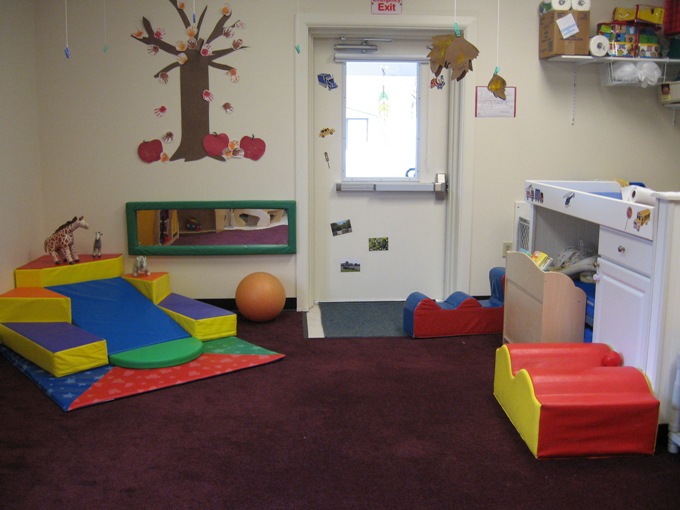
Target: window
(381, 120)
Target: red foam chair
(460, 314)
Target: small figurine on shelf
(61, 242)
(193, 225)
(140, 266)
(97, 248)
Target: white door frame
(459, 214)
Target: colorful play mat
(109, 382)
(87, 334)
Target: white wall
(92, 111)
(101, 106)
(21, 204)
(618, 132)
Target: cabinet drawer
(629, 251)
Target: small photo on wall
(350, 266)
(341, 227)
(378, 243)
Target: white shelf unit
(589, 59)
(606, 64)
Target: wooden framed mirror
(240, 227)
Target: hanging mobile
(106, 35)
(67, 51)
(497, 83)
(452, 51)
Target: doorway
(428, 235)
(377, 245)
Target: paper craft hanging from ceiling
(497, 83)
(192, 58)
(454, 52)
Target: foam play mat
(87, 334)
(109, 382)
(114, 309)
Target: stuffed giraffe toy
(61, 243)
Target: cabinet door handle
(622, 249)
(597, 277)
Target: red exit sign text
(386, 6)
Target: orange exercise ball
(260, 297)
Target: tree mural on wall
(194, 57)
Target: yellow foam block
(34, 304)
(516, 396)
(59, 363)
(155, 287)
(206, 329)
(43, 272)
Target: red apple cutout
(253, 148)
(150, 151)
(214, 144)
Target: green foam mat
(166, 354)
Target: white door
(409, 228)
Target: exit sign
(386, 6)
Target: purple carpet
(353, 423)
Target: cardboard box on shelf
(631, 39)
(551, 42)
(624, 14)
(641, 12)
(622, 49)
(648, 51)
(650, 14)
(670, 92)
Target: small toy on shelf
(61, 242)
(97, 248)
(141, 266)
(193, 225)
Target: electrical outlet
(506, 248)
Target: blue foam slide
(116, 311)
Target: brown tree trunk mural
(194, 76)
(194, 58)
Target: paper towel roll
(580, 5)
(599, 46)
(561, 5)
(554, 5)
(638, 194)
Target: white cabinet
(625, 250)
(637, 302)
(622, 311)
(622, 301)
